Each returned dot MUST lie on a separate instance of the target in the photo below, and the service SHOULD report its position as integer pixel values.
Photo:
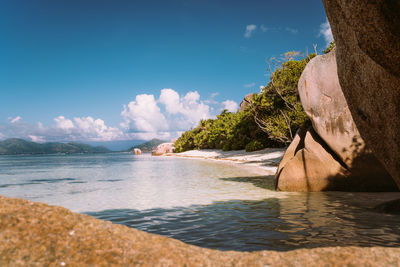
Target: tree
(278, 110)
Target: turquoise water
(210, 204)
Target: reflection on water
(203, 203)
(304, 220)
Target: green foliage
(15, 146)
(278, 110)
(271, 119)
(254, 146)
(329, 48)
(229, 131)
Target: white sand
(266, 160)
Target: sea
(205, 203)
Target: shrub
(254, 146)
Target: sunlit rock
(334, 157)
(367, 36)
(163, 148)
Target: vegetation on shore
(270, 120)
(15, 146)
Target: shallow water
(209, 204)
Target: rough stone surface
(35, 234)
(308, 166)
(163, 149)
(324, 103)
(245, 102)
(137, 151)
(367, 36)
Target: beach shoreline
(264, 161)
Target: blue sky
(67, 68)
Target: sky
(122, 70)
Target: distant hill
(149, 145)
(15, 146)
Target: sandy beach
(264, 161)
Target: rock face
(332, 155)
(245, 102)
(308, 166)
(36, 234)
(137, 151)
(324, 103)
(163, 149)
(367, 36)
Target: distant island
(16, 146)
(148, 146)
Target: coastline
(264, 161)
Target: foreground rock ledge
(37, 234)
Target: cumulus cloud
(95, 129)
(144, 118)
(250, 29)
(326, 32)
(15, 120)
(143, 115)
(64, 130)
(230, 105)
(63, 123)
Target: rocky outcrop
(163, 148)
(332, 155)
(367, 36)
(246, 102)
(36, 234)
(308, 166)
(137, 151)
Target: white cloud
(291, 30)
(143, 118)
(326, 32)
(214, 94)
(263, 28)
(184, 112)
(230, 105)
(15, 120)
(170, 98)
(143, 115)
(172, 113)
(63, 123)
(249, 30)
(249, 85)
(38, 139)
(96, 129)
(64, 130)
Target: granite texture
(367, 36)
(36, 234)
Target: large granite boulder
(246, 101)
(308, 166)
(36, 234)
(367, 36)
(163, 148)
(137, 151)
(332, 155)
